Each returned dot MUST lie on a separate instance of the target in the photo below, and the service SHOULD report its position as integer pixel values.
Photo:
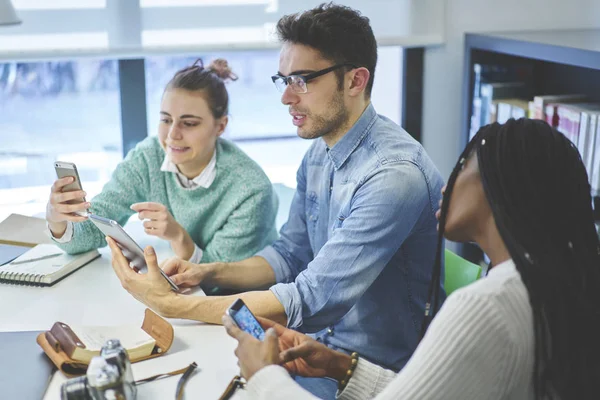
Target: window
(203, 3)
(57, 4)
(59, 110)
(54, 41)
(255, 108)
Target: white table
(93, 296)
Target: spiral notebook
(44, 265)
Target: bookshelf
(560, 61)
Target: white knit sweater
(479, 346)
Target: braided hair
(537, 187)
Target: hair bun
(220, 67)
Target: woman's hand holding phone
(63, 206)
(298, 353)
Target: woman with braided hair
(530, 329)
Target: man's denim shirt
(354, 259)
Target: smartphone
(245, 320)
(131, 250)
(64, 169)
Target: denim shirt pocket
(312, 212)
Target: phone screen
(246, 321)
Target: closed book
(540, 102)
(590, 144)
(23, 230)
(512, 108)
(596, 160)
(499, 91)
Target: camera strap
(236, 383)
(187, 372)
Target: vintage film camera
(109, 376)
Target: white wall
(442, 102)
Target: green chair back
(459, 272)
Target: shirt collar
(340, 152)
(507, 267)
(205, 179)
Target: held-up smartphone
(245, 320)
(64, 169)
(131, 250)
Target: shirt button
(330, 331)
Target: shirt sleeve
(197, 255)
(367, 381)
(292, 252)
(273, 382)
(384, 210)
(467, 354)
(65, 238)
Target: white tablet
(131, 250)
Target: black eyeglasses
(298, 83)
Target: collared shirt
(205, 179)
(354, 260)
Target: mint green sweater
(231, 220)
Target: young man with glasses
(353, 262)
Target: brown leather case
(59, 343)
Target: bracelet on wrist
(349, 372)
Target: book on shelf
(491, 92)
(511, 108)
(540, 103)
(490, 73)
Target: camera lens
(75, 389)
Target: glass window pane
(204, 3)
(54, 41)
(387, 88)
(255, 104)
(57, 4)
(208, 36)
(60, 110)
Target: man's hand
(185, 273)
(252, 354)
(302, 355)
(152, 288)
